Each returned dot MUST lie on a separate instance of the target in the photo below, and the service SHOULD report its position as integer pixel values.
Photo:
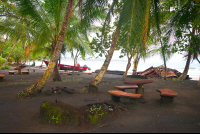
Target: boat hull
(68, 67)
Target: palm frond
(134, 20)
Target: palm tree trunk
(3, 67)
(38, 86)
(165, 76)
(185, 71)
(135, 63)
(199, 82)
(56, 75)
(127, 66)
(92, 87)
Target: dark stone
(49, 91)
(68, 90)
(56, 88)
(59, 91)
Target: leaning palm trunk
(185, 71)
(3, 67)
(199, 82)
(184, 74)
(38, 86)
(135, 63)
(92, 87)
(165, 76)
(127, 66)
(56, 75)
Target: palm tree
(181, 22)
(163, 46)
(124, 17)
(38, 86)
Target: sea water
(175, 62)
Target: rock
(57, 88)
(59, 91)
(68, 90)
(49, 91)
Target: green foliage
(20, 95)
(7, 67)
(174, 79)
(53, 118)
(72, 79)
(2, 60)
(95, 109)
(17, 54)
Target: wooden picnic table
(19, 70)
(140, 83)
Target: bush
(2, 60)
(7, 67)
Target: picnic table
(19, 70)
(140, 83)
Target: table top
(138, 81)
(18, 68)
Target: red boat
(68, 67)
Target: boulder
(68, 90)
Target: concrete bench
(117, 94)
(1, 77)
(167, 95)
(122, 88)
(25, 72)
(11, 72)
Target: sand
(22, 115)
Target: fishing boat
(68, 67)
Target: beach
(175, 62)
(22, 115)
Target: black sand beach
(22, 115)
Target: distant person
(33, 64)
(77, 65)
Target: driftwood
(159, 72)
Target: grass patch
(174, 79)
(15, 84)
(72, 79)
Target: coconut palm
(38, 86)
(125, 16)
(185, 21)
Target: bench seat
(122, 88)
(11, 72)
(167, 92)
(1, 77)
(25, 72)
(117, 94)
(167, 95)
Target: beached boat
(112, 72)
(68, 67)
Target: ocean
(175, 62)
